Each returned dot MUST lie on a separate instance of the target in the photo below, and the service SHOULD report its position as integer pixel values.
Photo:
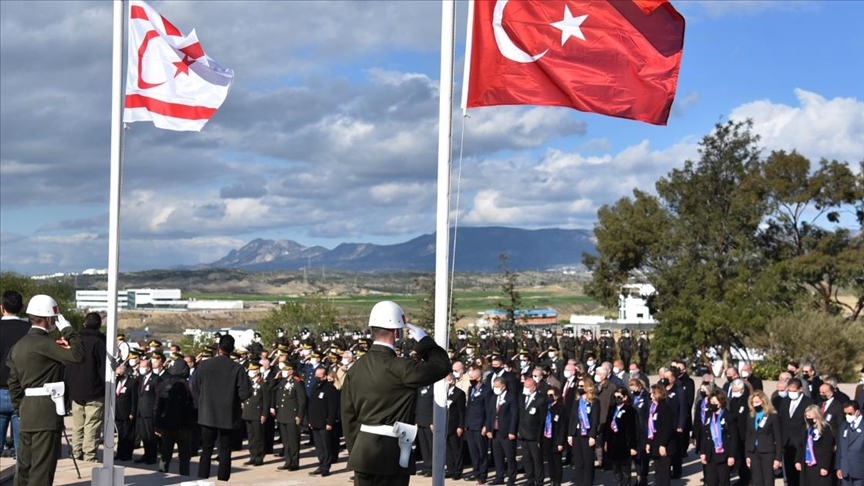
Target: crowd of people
(516, 405)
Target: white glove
(416, 332)
(62, 323)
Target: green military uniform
(33, 361)
(380, 389)
(290, 405)
(255, 408)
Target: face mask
(526, 391)
(703, 393)
(794, 395)
(851, 418)
(469, 352)
(713, 408)
(745, 374)
(729, 379)
(314, 361)
(456, 375)
(782, 394)
(133, 362)
(143, 371)
(619, 400)
(524, 364)
(806, 375)
(496, 369)
(664, 382)
(634, 372)
(590, 363)
(811, 422)
(497, 391)
(597, 378)
(737, 394)
(474, 382)
(824, 398)
(253, 374)
(568, 374)
(861, 381)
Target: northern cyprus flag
(170, 80)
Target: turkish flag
(619, 58)
(169, 79)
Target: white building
(97, 300)
(242, 335)
(633, 304)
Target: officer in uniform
(289, 406)
(607, 346)
(378, 399)
(147, 384)
(36, 387)
(625, 347)
(643, 348)
(255, 410)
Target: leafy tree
(731, 242)
(60, 289)
(508, 287)
(425, 317)
(316, 314)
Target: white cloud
(817, 128)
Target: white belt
(406, 433)
(54, 390)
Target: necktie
(120, 387)
(824, 406)
(497, 408)
(792, 407)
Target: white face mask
(861, 381)
(590, 362)
(253, 374)
(782, 394)
(745, 374)
(794, 395)
(552, 355)
(524, 364)
(736, 394)
(498, 391)
(526, 391)
(456, 375)
(469, 352)
(851, 418)
(346, 361)
(616, 370)
(285, 374)
(568, 373)
(314, 361)
(133, 362)
(597, 378)
(143, 371)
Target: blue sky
(330, 131)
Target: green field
(469, 303)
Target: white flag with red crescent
(170, 80)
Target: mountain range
(477, 250)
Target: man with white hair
(739, 412)
(342, 370)
(747, 375)
(606, 395)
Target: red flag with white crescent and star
(170, 80)
(619, 58)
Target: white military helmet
(42, 306)
(387, 315)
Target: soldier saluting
(378, 399)
(36, 388)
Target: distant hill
(477, 250)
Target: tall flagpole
(442, 232)
(108, 475)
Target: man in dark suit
(455, 428)
(747, 375)
(501, 428)
(793, 428)
(378, 394)
(532, 413)
(479, 396)
(221, 386)
(147, 384)
(739, 415)
(323, 411)
(850, 447)
(12, 328)
(423, 415)
(676, 401)
(569, 392)
(831, 406)
(126, 409)
(811, 382)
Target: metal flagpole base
(103, 476)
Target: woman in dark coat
(622, 430)
(554, 435)
(719, 442)
(641, 402)
(662, 436)
(763, 446)
(584, 424)
(815, 458)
